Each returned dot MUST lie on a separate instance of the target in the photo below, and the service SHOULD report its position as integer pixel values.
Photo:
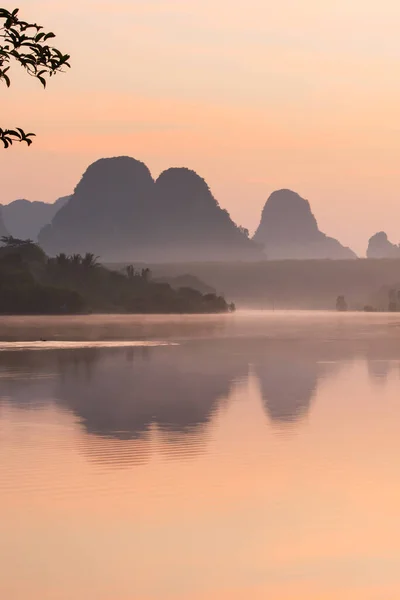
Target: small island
(33, 283)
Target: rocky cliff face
(118, 212)
(380, 247)
(288, 229)
(24, 219)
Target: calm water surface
(248, 456)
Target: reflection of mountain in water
(164, 396)
(289, 376)
(133, 402)
(287, 387)
(176, 390)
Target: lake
(232, 457)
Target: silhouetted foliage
(22, 293)
(32, 283)
(369, 308)
(25, 249)
(341, 304)
(392, 301)
(26, 44)
(146, 274)
(130, 272)
(244, 230)
(13, 242)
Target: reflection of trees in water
(26, 379)
(113, 327)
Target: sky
(254, 95)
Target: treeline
(32, 283)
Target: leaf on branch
(5, 77)
(9, 136)
(42, 80)
(26, 44)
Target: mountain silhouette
(192, 225)
(118, 212)
(288, 229)
(175, 389)
(380, 247)
(287, 387)
(289, 375)
(163, 397)
(108, 212)
(24, 219)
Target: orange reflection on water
(242, 507)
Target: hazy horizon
(253, 97)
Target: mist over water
(229, 456)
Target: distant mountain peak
(379, 246)
(182, 176)
(114, 164)
(25, 218)
(289, 229)
(120, 213)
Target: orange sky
(253, 95)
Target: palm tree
(62, 259)
(89, 261)
(75, 260)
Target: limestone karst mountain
(24, 219)
(108, 214)
(288, 229)
(380, 247)
(118, 212)
(191, 224)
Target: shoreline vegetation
(307, 284)
(31, 283)
(392, 305)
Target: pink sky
(253, 95)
